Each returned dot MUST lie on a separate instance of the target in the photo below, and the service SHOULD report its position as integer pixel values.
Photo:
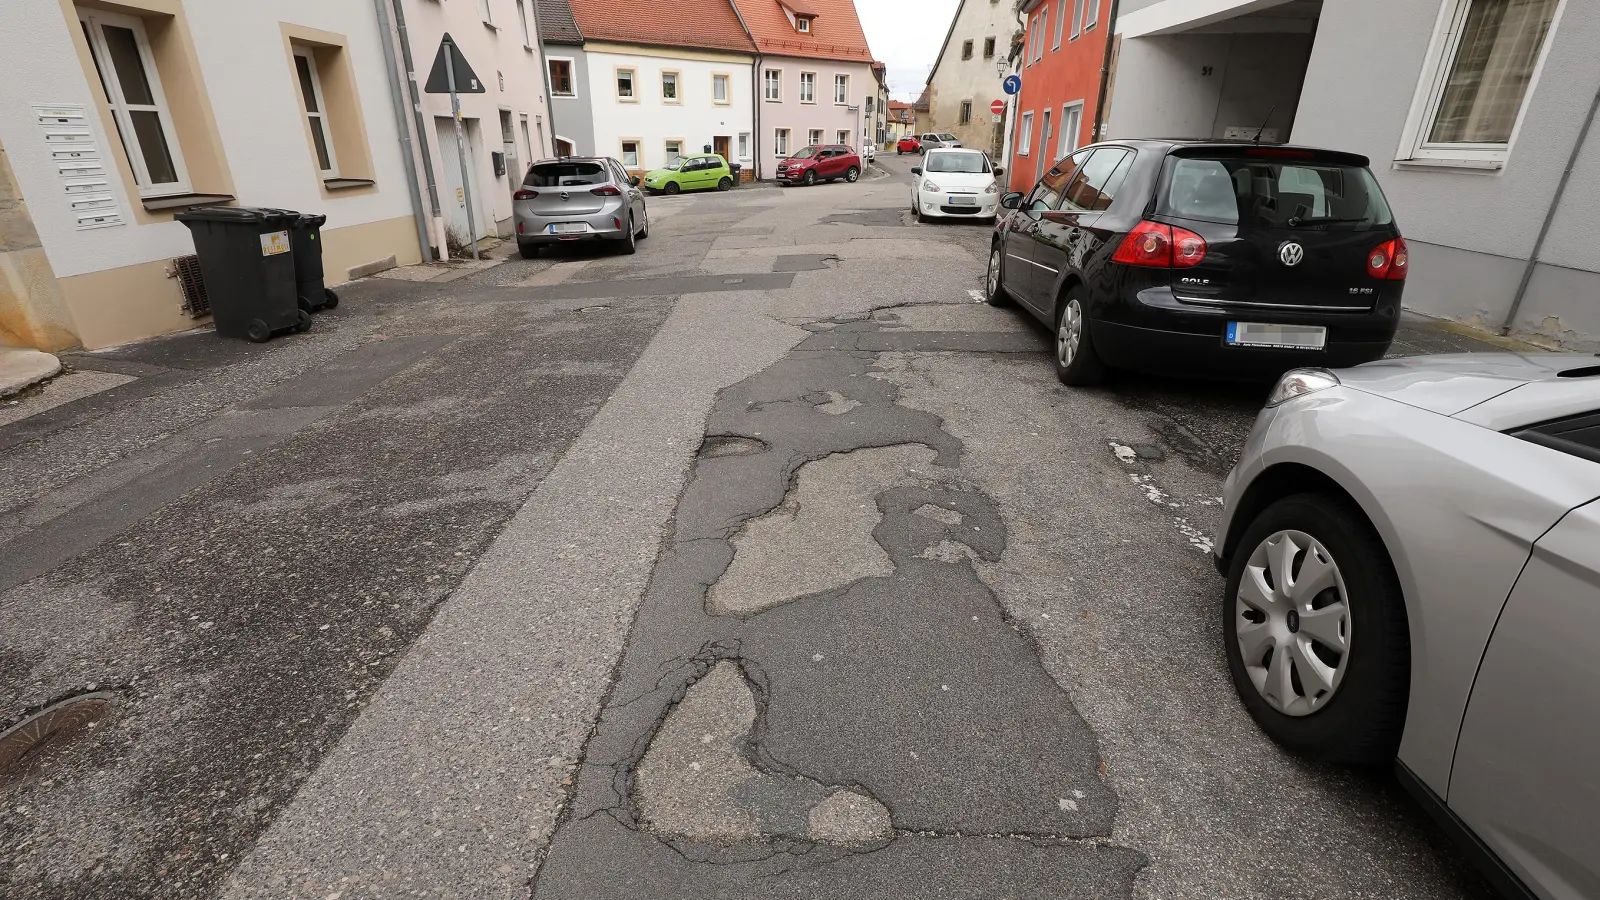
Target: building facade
(1470, 110)
(114, 117)
(814, 76)
(902, 120)
(664, 84)
(1064, 51)
(571, 112)
(504, 127)
(968, 72)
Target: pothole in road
(49, 733)
(593, 308)
(732, 445)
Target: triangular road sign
(466, 80)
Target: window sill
(1477, 166)
(490, 25)
(341, 184)
(529, 48)
(184, 201)
(564, 96)
(627, 100)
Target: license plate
(963, 201)
(1278, 337)
(568, 228)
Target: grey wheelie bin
(305, 235)
(248, 265)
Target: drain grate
(50, 731)
(187, 270)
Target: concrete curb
(21, 368)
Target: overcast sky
(906, 35)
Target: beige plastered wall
(32, 310)
(140, 301)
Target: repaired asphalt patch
(816, 645)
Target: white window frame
(572, 76)
(1077, 19)
(1066, 110)
(780, 142)
(768, 83)
(727, 88)
(667, 148)
(120, 108)
(486, 10)
(638, 152)
(744, 145)
(1061, 21)
(677, 87)
(1025, 140)
(814, 137)
(522, 16)
(843, 136)
(633, 80)
(1415, 150)
(1091, 14)
(813, 85)
(321, 115)
(841, 83)
(802, 24)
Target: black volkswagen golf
(1211, 257)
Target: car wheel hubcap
(1293, 623)
(994, 272)
(1070, 333)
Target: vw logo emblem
(1291, 253)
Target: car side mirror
(916, 170)
(999, 171)
(1012, 200)
(634, 181)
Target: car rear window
(564, 174)
(961, 163)
(1273, 193)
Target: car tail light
(519, 228)
(1161, 246)
(1389, 260)
(524, 195)
(617, 222)
(607, 190)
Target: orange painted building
(1064, 50)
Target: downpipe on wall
(424, 234)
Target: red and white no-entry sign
(997, 107)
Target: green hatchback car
(691, 173)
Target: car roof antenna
(1263, 129)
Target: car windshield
(675, 165)
(1275, 193)
(946, 136)
(564, 174)
(960, 163)
(807, 153)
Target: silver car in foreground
(1412, 549)
(579, 199)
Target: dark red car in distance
(908, 144)
(823, 162)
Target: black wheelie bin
(305, 235)
(248, 265)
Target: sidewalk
(21, 368)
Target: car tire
(1077, 363)
(994, 287)
(630, 244)
(528, 251)
(851, 174)
(725, 184)
(811, 178)
(672, 188)
(1360, 721)
(645, 231)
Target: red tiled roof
(835, 31)
(800, 7)
(663, 23)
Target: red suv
(908, 144)
(825, 162)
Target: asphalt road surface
(767, 562)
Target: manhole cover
(50, 731)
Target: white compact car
(956, 184)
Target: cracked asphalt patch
(819, 592)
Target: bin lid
(312, 220)
(235, 215)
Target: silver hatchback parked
(1413, 557)
(579, 199)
